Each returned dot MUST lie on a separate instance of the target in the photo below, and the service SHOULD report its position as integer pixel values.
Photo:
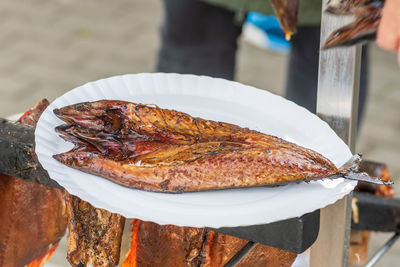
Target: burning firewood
(359, 239)
(174, 246)
(94, 234)
(32, 217)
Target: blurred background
(50, 47)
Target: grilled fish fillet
(94, 234)
(164, 150)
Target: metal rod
(374, 259)
(337, 103)
(241, 254)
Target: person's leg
(198, 38)
(302, 70)
(302, 75)
(363, 83)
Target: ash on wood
(17, 156)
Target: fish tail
(350, 171)
(364, 177)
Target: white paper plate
(209, 98)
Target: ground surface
(49, 47)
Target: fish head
(99, 115)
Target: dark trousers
(199, 38)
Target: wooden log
(17, 156)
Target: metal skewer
(379, 254)
(241, 254)
(337, 104)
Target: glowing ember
(39, 262)
(130, 260)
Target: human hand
(388, 36)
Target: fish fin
(352, 164)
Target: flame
(288, 35)
(20, 120)
(207, 247)
(385, 190)
(40, 261)
(354, 208)
(131, 260)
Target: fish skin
(164, 125)
(361, 30)
(364, 28)
(247, 168)
(286, 11)
(353, 7)
(182, 153)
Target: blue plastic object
(265, 31)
